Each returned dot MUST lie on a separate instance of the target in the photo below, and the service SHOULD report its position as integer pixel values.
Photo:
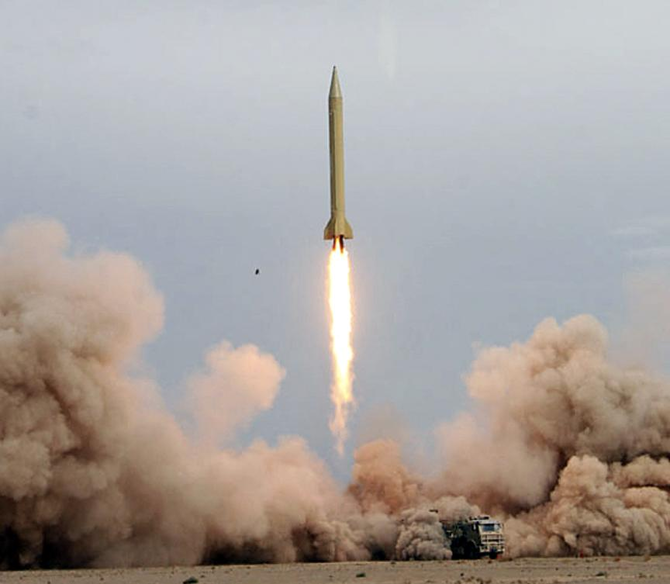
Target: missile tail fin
(338, 227)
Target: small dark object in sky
(258, 271)
(191, 580)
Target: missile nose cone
(335, 90)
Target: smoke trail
(339, 299)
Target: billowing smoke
(569, 449)
(421, 536)
(93, 473)
(239, 384)
(567, 446)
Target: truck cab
(475, 537)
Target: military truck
(475, 537)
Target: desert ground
(530, 570)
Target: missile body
(338, 228)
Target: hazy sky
(505, 161)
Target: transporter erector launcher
(338, 228)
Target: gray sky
(505, 161)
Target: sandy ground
(624, 570)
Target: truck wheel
(493, 555)
(471, 552)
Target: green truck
(475, 537)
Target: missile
(338, 228)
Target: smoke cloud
(92, 473)
(238, 384)
(565, 446)
(570, 448)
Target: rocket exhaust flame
(338, 240)
(339, 299)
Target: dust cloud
(568, 447)
(238, 384)
(565, 446)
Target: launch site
(331, 292)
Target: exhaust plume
(339, 299)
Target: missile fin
(338, 226)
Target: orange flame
(339, 299)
